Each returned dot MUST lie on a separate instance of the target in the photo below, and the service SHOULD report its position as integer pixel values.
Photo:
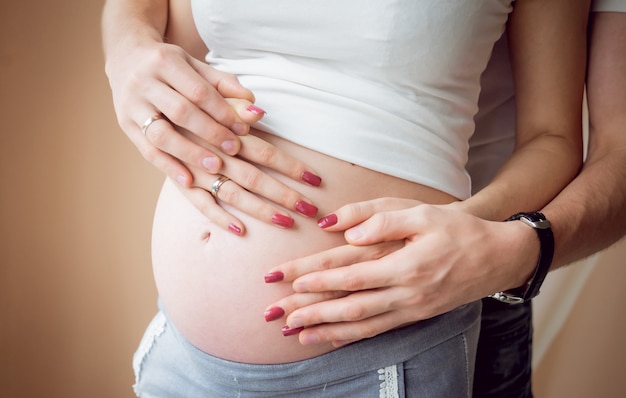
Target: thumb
(228, 85)
(246, 111)
(384, 227)
(225, 83)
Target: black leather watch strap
(524, 293)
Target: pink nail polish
(283, 221)
(311, 179)
(256, 110)
(287, 331)
(306, 208)
(234, 229)
(273, 313)
(273, 277)
(327, 221)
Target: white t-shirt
(390, 85)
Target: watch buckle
(507, 298)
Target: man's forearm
(131, 21)
(590, 214)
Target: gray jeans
(433, 358)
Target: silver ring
(147, 123)
(218, 184)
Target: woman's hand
(149, 78)
(249, 188)
(154, 78)
(401, 266)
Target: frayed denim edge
(154, 330)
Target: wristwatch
(530, 289)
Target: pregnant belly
(210, 281)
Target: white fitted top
(390, 85)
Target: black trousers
(504, 358)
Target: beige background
(75, 212)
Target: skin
(148, 75)
(536, 140)
(587, 216)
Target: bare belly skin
(211, 281)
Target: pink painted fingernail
(273, 314)
(282, 221)
(256, 110)
(327, 221)
(234, 229)
(311, 179)
(273, 277)
(306, 208)
(287, 331)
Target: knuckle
(361, 210)
(160, 55)
(221, 111)
(135, 81)
(370, 332)
(258, 209)
(376, 252)
(327, 335)
(353, 283)
(417, 304)
(380, 221)
(206, 207)
(410, 276)
(151, 154)
(332, 295)
(354, 312)
(157, 134)
(178, 111)
(229, 195)
(253, 180)
(289, 197)
(199, 93)
(354, 210)
(324, 263)
(425, 211)
(268, 155)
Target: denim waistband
(386, 349)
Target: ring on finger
(149, 121)
(217, 185)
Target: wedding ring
(217, 185)
(147, 123)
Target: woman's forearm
(549, 76)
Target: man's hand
(400, 266)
